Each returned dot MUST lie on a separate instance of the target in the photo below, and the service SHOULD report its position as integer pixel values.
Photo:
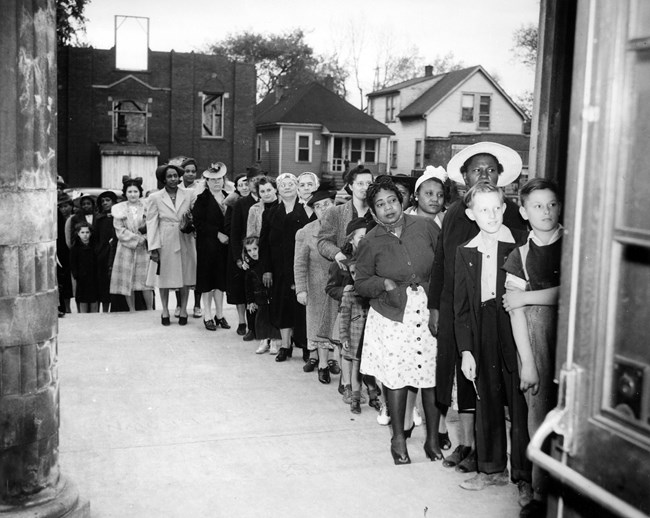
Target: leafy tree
(70, 21)
(398, 68)
(446, 63)
(285, 59)
(525, 49)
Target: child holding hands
(486, 344)
(532, 289)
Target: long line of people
(407, 289)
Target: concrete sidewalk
(182, 422)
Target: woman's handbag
(187, 223)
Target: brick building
(113, 122)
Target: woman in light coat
(173, 250)
(129, 272)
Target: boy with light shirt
(486, 344)
(532, 289)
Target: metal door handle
(554, 422)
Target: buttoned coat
(131, 258)
(332, 232)
(176, 250)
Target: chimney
(328, 82)
(279, 92)
(428, 71)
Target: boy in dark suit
(486, 344)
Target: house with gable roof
(311, 128)
(435, 116)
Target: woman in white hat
(209, 216)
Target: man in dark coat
(501, 166)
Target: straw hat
(216, 170)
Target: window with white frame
(418, 154)
(391, 106)
(363, 150)
(484, 112)
(393, 154)
(371, 107)
(258, 147)
(303, 147)
(212, 115)
(130, 121)
(467, 108)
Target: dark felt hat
(253, 171)
(355, 224)
(162, 169)
(407, 181)
(320, 194)
(108, 194)
(62, 198)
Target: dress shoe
(468, 464)
(264, 347)
(347, 394)
(482, 480)
(457, 456)
(443, 440)
(210, 325)
(398, 451)
(241, 329)
(182, 321)
(334, 367)
(324, 375)
(198, 312)
(164, 321)
(432, 454)
(283, 354)
(384, 417)
(417, 418)
(249, 336)
(274, 347)
(177, 311)
(305, 354)
(222, 322)
(355, 405)
(311, 365)
(409, 432)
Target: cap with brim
(506, 156)
(62, 198)
(253, 171)
(320, 195)
(429, 173)
(407, 181)
(162, 169)
(216, 170)
(355, 224)
(108, 194)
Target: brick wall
(173, 83)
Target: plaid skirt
(130, 270)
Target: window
(418, 154)
(484, 113)
(371, 107)
(467, 108)
(393, 154)
(130, 121)
(303, 147)
(391, 104)
(363, 150)
(258, 147)
(212, 115)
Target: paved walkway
(182, 422)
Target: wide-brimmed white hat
(506, 156)
(216, 170)
(431, 172)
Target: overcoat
(176, 249)
(211, 254)
(131, 258)
(311, 273)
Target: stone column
(30, 480)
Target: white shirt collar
(504, 235)
(559, 232)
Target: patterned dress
(131, 258)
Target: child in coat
(353, 314)
(83, 266)
(532, 289)
(257, 297)
(486, 344)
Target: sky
(478, 32)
